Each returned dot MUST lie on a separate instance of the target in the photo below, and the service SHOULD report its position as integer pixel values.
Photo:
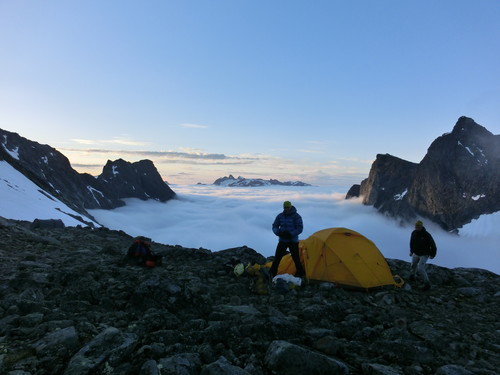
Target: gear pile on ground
(71, 304)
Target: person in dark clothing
(422, 247)
(287, 226)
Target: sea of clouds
(219, 218)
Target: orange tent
(341, 256)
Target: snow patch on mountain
(21, 199)
(398, 197)
(14, 153)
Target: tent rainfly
(342, 256)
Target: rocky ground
(70, 304)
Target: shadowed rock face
(135, 180)
(52, 172)
(457, 181)
(387, 184)
(71, 304)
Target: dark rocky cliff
(135, 180)
(457, 181)
(52, 172)
(69, 304)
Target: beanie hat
(287, 204)
(419, 224)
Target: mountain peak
(466, 126)
(51, 171)
(140, 180)
(457, 181)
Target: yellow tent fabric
(341, 256)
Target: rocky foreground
(70, 304)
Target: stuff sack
(262, 280)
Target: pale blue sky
(308, 90)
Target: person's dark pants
(281, 252)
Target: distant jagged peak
(230, 181)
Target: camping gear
(262, 280)
(239, 269)
(342, 256)
(140, 252)
(285, 283)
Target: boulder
(110, 347)
(287, 358)
(47, 224)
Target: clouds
(165, 156)
(189, 166)
(117, 141)
(193, 163)
(194, 126)
(218, 218)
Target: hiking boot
(426, 287)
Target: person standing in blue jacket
(287, 226)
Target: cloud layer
(214, 218)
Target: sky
(286, 89)
(218, 218)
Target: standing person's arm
(298, 226)
(432, 247)
(276, 226)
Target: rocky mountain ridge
(252, 182)
(71, 304)
(52, 172)
(457, 181)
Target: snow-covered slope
(21, 199)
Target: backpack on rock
(140, 252)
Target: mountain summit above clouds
(457, 181)
(52, 173)
(251, 182)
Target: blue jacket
(288, 221)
